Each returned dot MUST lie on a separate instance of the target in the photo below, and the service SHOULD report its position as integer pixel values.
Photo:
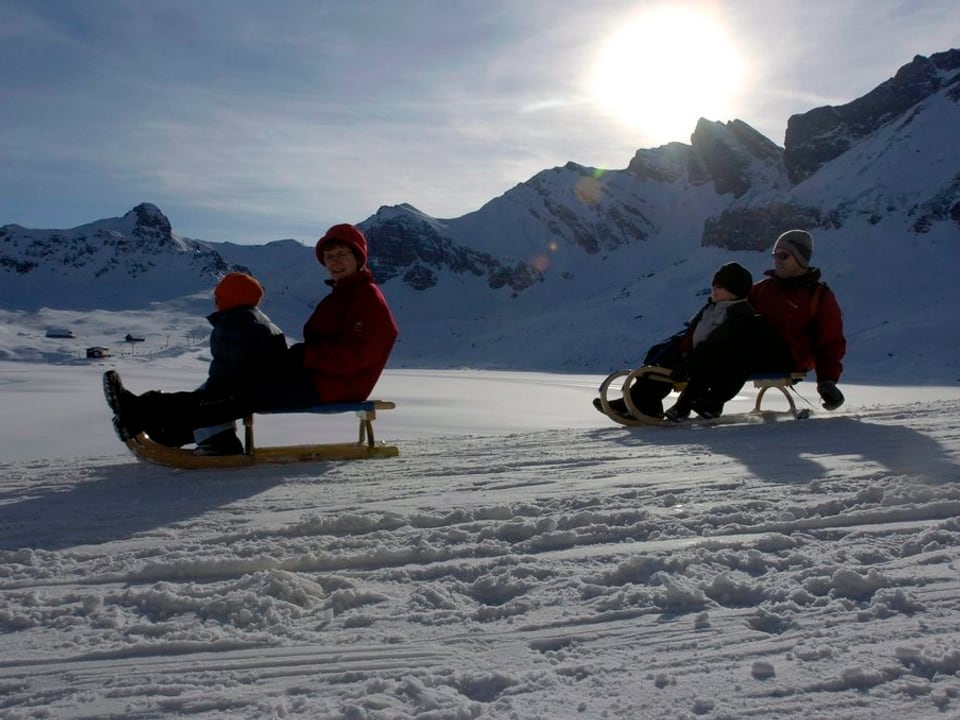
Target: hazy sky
(250, 121)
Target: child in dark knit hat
(708, 354)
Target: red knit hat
(237, 289)
(348, 235)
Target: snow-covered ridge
(581, 268)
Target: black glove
(295, 355)
(830, 394)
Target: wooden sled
(783, 383)
(366, 447)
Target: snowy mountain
(118, 263)
(580, 268)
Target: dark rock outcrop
(404, 243)
(755, 228)
(728, 154)
(822, 134)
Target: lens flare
(588, 190)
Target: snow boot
(112, 390)
(120, 430)
(122, 402)
(618, 407)
(676, 414)
(706, 409)
(170, 436)
(223, 443)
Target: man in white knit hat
(805, 314)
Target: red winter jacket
(348, 339)
(808, 319)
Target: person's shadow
(118, 502)
(787, 451)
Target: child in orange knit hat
(237, 289)
(245, 344)
(245, 348)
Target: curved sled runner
(366, 447)
(783, 383)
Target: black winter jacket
(734, 343)
(246, 346)
(734, 335)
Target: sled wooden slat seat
(366, 411)
(365, 447)
(763, 382)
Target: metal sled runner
(366, 447)
(783, 383)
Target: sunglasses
(782, 255)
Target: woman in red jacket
(349, 336)
(347, 341)
(805, 315)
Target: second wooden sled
(366, 446)
(782, 382)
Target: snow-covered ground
(523, 558)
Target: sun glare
(665, 68)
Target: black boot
(223, 443)
(707, 408)
(127, 420)
(678, 413)
(171, 436)
(617, 407)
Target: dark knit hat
(798, 243)
(348, 235)
(735, 278)
(237, 289)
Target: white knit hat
(798, 243)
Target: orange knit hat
(237, 289)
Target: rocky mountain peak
(138, 252)
(408, 244)
(816, 137)
(663, 164)
(150, 216)
(731, 155)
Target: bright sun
(664, 69)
